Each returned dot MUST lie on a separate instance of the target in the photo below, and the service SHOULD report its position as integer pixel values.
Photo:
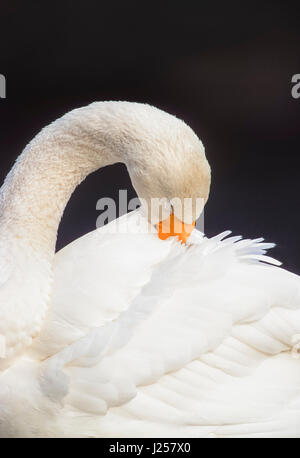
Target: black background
(224, 67)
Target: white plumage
(145, 337)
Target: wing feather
(196, 351)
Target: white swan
(126, 334)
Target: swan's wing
(208, 347)
(96, 277)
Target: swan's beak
(172, 226)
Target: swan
(126, 332)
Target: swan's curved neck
(36, 191)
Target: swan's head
(169, 171)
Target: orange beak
(172, 226)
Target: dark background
(224, 67)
